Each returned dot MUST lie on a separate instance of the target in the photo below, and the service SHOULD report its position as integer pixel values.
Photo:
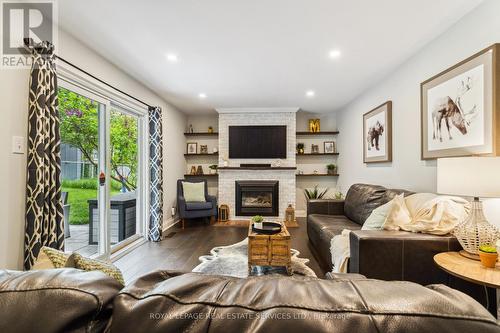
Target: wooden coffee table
(269, 250)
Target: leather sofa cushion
(164, 302)
(56, 300)
(322, 228)
(198, 205)
(362, 199)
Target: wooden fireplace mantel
(257, 168)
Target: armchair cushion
(194, 192)
(198, 205)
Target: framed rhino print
(459, 108)
(377, 134)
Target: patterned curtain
(156, 176)
(44, 213)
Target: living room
(250, 166)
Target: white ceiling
(254, 53)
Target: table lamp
(477, 177)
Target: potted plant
(257, 219)
(300, 148)
(315, 193)
(331, 169)
(488, 255)
(213, 169)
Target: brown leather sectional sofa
(69, 300)
(381, 254)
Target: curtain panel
(156, 174)
(44, 213)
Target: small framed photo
(329, 147)
(314, 149)
(192, 148)
(377, 134)
(203, 149)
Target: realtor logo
(25, 19)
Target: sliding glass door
(101, 170)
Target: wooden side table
(269, 250)
(471, 270)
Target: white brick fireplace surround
(286, 178)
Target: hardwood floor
(180, 249)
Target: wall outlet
(172, 211)
(18, 145)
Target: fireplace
(257, 198)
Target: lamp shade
(469, 176)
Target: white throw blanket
(339, 248)
(437, 215)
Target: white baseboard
(169, 223)
(300, 213)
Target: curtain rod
(28, 42)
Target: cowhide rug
(232, 260)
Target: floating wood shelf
(202, 134)
(209, 154)
(318, 133)
(317, 175)
(202, 176)
(318, 154)
(257, 168)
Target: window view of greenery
(80, 151)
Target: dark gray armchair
(192, 210)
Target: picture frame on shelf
(459, 108)
(314, 149)
(377, 134)
(203, 149)
(192, 148)
(329, 147)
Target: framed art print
(377, 134)
(192, 148)
(459, 108)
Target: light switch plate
(18, 145)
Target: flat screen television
(257, 141)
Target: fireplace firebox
(257, 198)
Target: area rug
(232, 260)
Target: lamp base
(466, 254)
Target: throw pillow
(194, 191)
(49, 258)
(398, 214)
(416, 201)
(378, 216)
(88, 264)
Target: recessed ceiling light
(310, 93)
(334, 54)
(202, 95)
(172, 57)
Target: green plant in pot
(488, 255)
(213, 169)
(315, 193)
(331, 169)
(257, 219)
(300, 148)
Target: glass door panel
(82, 162)
(125, 176)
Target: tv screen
(257, 141)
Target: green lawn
(79, 211)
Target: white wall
(473, 33)
(476, 31)
(14, 97)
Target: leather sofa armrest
(325, 207)
(344, 276)
(399, 255)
